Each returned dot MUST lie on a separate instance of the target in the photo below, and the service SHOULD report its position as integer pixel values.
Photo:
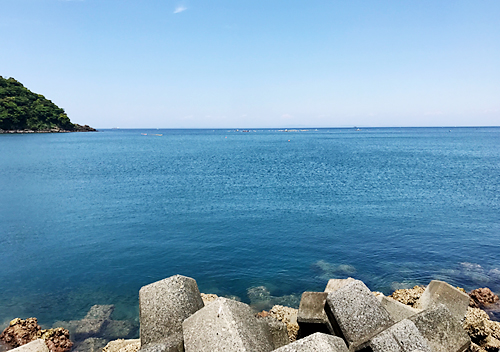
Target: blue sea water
(89, 218)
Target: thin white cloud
(180, 8)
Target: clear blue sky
(221, 63)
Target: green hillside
(21, 109)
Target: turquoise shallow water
(88, 218)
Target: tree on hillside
(21, 109)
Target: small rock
(288, 316)
(408, 296)
(490, 344)
(120, 345)
(20, 332)
(208, 298)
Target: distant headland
(22, 111)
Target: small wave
(330, 271)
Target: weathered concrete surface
(397, 310)
(315, 343)
(441, 292)
(164, 305)
(355, 314)
(226, 325)
(334, 284)
(311, 316)
(278, 330)
(34, 346)
(401, 337)
(442, 329)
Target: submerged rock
(481, 297)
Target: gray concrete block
(226, 325)
(164, 305)
(334, 284)
(441, 292)
(316, 342)
(278, 330)
(401, 337)
(311, 316)
(355, 314)
(442, 329)
(33, 346)
(397, 310)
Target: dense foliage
(21, 109)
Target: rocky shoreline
(78, 128)
(346, 316)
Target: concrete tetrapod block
(164, 305)
(396, 309)
(401, 337)
(316, 342)
(356, 315)
(443, 330)
(226, 325)
(278, 330)
(441, 292)
(311, 316)
(33, 346)
(334, 284)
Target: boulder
(311, 316)
(164, 305)
(334, 284)
(316, 342)
(172, 343)
(397, 310)
(208, 298)
(288, 316)
(20, 332)
(355, 314)
(408, 296)
(441, 292)
(121, 344)
(401, 337)
(57, 339)
(33, 346)
(226, 325)
(442, 329)
(481, 297)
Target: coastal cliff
(22, 111)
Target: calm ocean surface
(89, 218)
